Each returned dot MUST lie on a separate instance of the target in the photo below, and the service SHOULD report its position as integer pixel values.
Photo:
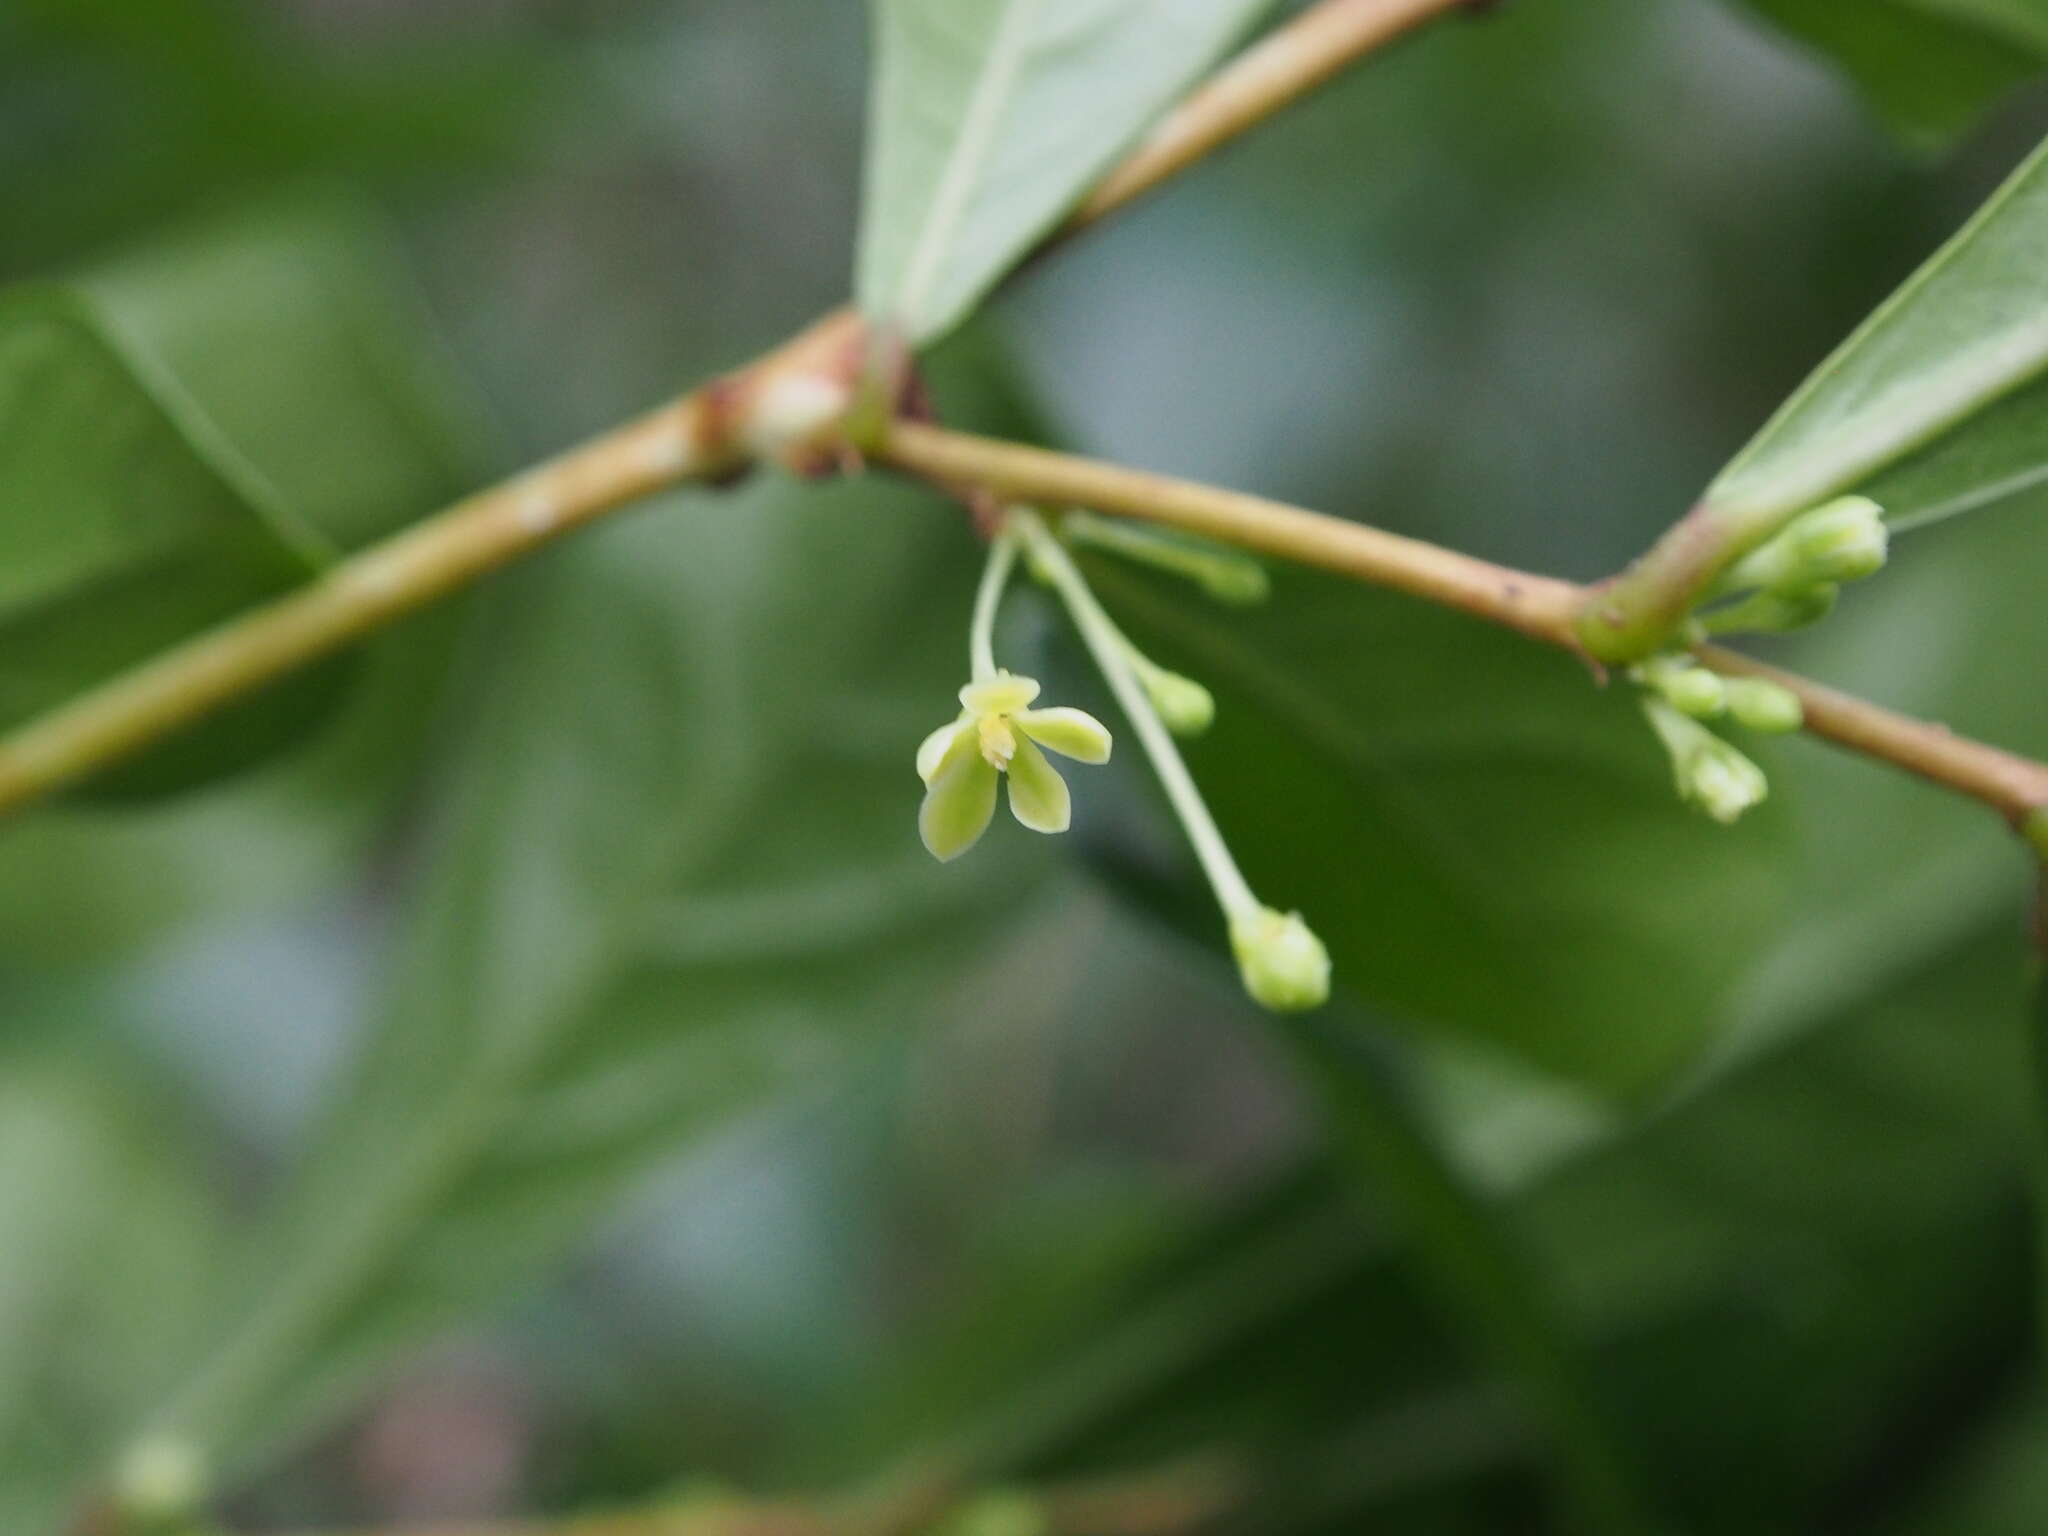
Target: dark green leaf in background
(111, 1237)
(192, 431)
(1930, 67)
(677, 869)
(123, 535)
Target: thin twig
(1281, 68)
(703, 436)
(2012, 785)
(1539, 606)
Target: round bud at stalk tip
(1184, 704)
(1284, 965)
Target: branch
(704, 436)
(2014, 786)
(1284, 66)
(1537, 605)
(1541, 607)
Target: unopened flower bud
(1845, 540)
(1724, 783)
(1764, 706)
(1689, 688)
(1284, 965)
(1708, 771)
(1184, 704)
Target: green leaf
(1483, 838)
(110, 1236)
(1485, 1282)
(123, 534)
(87, 880)
(990, 119)
(677, 870)
(1996, 1485)
(1929, 407)
(1930, 67)
(184, 436)
(1851, 1204)
(294, 329)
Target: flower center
(998, 741)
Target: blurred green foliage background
(560, 1078)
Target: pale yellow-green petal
(1070, 732)
(934, 747)
(960, 801)
(1038, 795)
(1003, 694)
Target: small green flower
(999, 733)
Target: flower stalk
(981, 631)
(1284, 965)
(1227, 575)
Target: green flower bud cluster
(1752, 702)
(1787, 583)
(1678, 695)
(1793, 580)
